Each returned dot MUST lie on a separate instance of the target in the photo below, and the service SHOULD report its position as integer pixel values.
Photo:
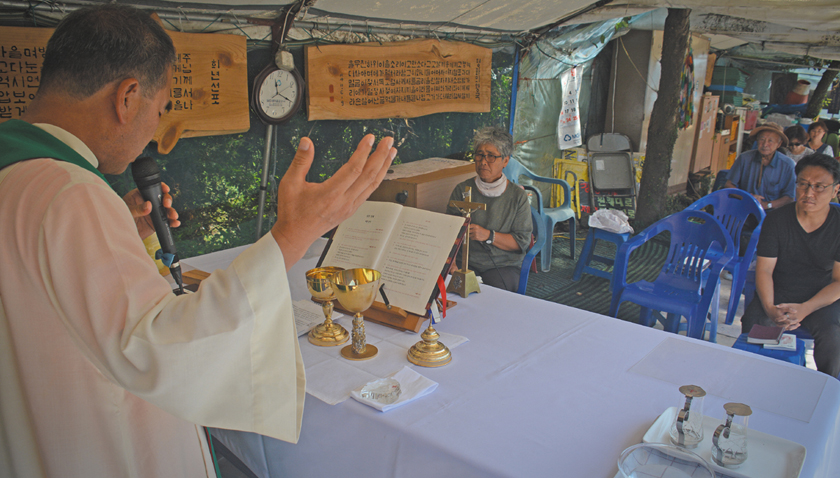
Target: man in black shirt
(797, 272)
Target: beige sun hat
(769, 126)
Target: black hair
(821, 160)
(796, 132)
(819, 124)
(95, 46)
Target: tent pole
(514, 88)
(269, 129)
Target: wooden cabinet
(702, 157)
(729, 141)
(428, 191)
(722, 145)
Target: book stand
(394, 317)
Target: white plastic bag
(568, 124)
(611, 220)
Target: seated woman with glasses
(501, 234)
(797, 272)
(816, 133)
(797, 139)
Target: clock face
(279, 95)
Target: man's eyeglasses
(795, 145)
(818, 188)
(488, 158)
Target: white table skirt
(542, 389)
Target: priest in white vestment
(103, 371)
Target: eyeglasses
(488, 158)
(796, 144)
(818, 188)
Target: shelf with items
(728, 141)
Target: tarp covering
(800, 27)
(539, 99)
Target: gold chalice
(356, 290)
(329, 333)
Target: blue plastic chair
(731, 208)
(588, 254)
(683, 287)
(539, 238)
(550, 216)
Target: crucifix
(464, 281)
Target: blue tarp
(539, 94)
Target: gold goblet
(356, 290)
(329, 333)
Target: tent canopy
(800, 28)
(809, 28)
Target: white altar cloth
(539, 390)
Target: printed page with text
(408, 246)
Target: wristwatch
(491, 238)
(769, 205)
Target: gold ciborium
(429, 352)
(329, 333)
(356, 290)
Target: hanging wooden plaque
(397, 80)
(209, 82)
(209, 88)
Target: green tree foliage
(215, 180)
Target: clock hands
(278, 93)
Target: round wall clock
(277, 95)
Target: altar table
(540, 389)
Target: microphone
(146, 175)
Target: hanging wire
(552, 57)
(180, 22)
(461, 15)
(517, 143)
(211, 23)
(31, 10)
(621, 40)
(185, 19)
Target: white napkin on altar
(412, 386)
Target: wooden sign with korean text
(209, 82)
(209, 88)
(396, 80)
(21, 56)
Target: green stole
(20, 141)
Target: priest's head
(105, 79)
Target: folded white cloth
(412, 386)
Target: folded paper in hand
(611, 220)
(412, 385)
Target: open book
(409, 246)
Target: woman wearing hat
(764, 172)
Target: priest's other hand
(141, 209)
(305, 211)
